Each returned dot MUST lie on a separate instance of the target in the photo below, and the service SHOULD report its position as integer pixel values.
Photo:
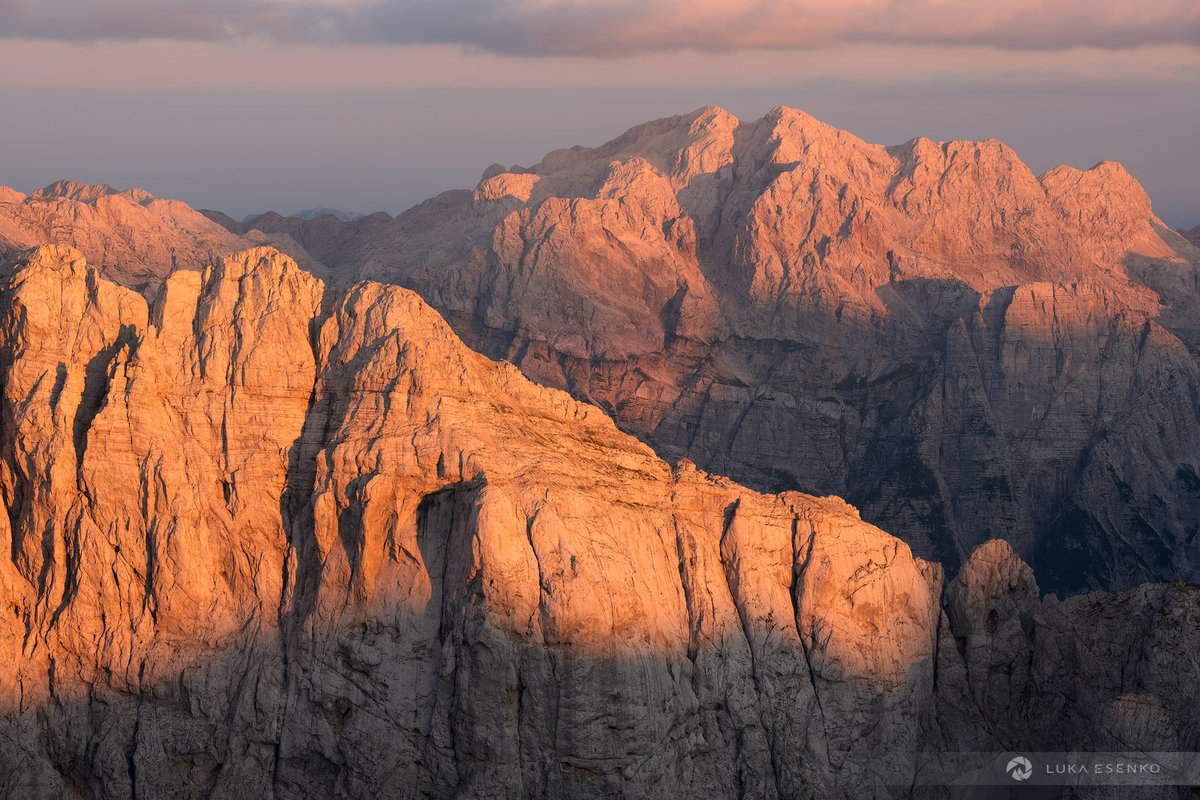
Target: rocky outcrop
(266, 539)
(1192, 235)
(961, 348)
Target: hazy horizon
(289, 104)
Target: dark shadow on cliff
(431, 699)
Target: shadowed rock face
(271, 540)
(962, 349)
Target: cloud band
(618, 27)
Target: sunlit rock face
(268, 539)
(959, 347)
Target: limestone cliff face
(271, 540)
(961, 348)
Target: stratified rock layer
(962, 349)
(267, 540)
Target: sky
(377, 104)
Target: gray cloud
(617, 27)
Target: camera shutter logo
(1019, 769)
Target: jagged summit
(761, 219)
(74, 190)
(790, 209)
(88, 193)
(786, 141)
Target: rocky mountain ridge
(137, 238)
(272, 539)
(961, 348)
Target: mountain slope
(268, 539)
(961, 348)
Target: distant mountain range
(317, 213)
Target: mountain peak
(680, 146)
(88, 192)
(792, 136)
(1101, 199)
(706, 118)
(798, 117)
(74, 190)
(793, 210)
(136, 237)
